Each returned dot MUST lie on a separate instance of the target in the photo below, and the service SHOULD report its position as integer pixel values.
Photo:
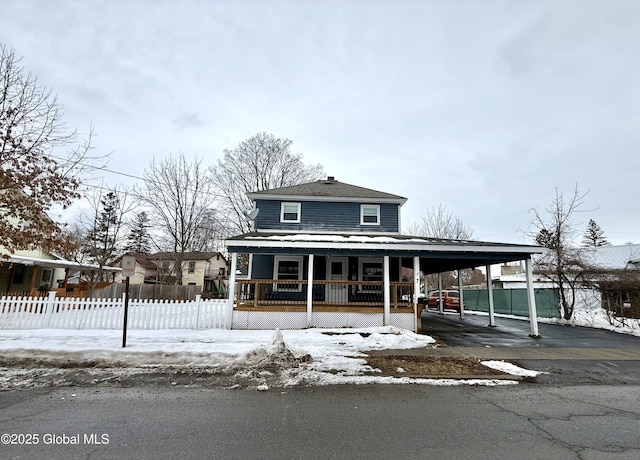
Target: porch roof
(437, 255)
(56, 263)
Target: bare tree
(261, 162)
(563, 263)
(40, 159)
(438, 223)
(179, 196)
(211, 233)
(70, 242)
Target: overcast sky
(484, 107)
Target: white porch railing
(78, 313)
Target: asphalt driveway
(570, 355)
(474, 331)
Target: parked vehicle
(450, 300)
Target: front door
(336, 271)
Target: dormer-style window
(290, 212)
(370, 214)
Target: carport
(437, 256)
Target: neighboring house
(35, 272)
(611, 280)
(207, 270)
(30, 272)
(330, 254)
(616, 274)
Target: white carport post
(440, 303)
(232, 288)
(531, 298)
(416, 290)
(310, 290)
(492, 320)
(387, 293)
(460, 294)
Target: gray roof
(614, 257)
(184, 255)
(442, 254)
(327, 188)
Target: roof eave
(334, 199)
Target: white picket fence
(77, 313)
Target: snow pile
(269, 362)
(511, 368)
(264, 358)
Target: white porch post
(492, 320)
(232, 288)
(416, 290)
(250, 268)
(310, 290)
(440, 302)
(387, 293)
(531, 298)
(461, 295)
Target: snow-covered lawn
(317, 356)
(597, 319)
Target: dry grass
(430, 366)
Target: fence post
(198, 306)
(232, 290)
(50, 304)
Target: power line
(103, 168)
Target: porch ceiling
(436, 255)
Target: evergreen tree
(547, 239)
(100, 244)
(139, 240)
(594, 236)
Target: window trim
(361, 262)
(191, 267)
(300, 260)
(371, 206)
(290, 221)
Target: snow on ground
(597, 318)
(301, 357)
(511, 369)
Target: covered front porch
(263, 304)
(300, 281)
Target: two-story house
(331, 254)
(206, 270)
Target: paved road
(355, 422)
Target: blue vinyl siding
(326, 217)
(262, 267)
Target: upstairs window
(370, 214)
(192, 267)
(290, 212)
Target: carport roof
(437, 255)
